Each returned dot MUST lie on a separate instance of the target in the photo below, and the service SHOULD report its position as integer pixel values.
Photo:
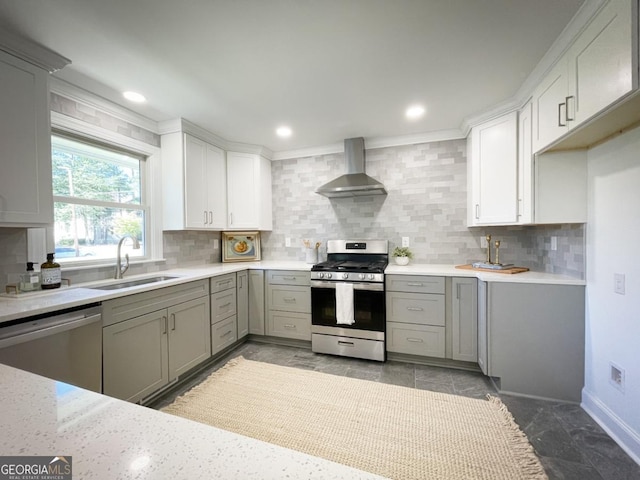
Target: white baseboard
(627, 438)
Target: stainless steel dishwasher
(65, 346)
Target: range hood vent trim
(355, 183)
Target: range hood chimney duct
(355, 183)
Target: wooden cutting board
(505, 270)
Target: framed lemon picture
(240, 246)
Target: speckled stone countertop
(28, 304)
(109, 438)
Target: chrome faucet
(119, 268)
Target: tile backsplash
(426, 201)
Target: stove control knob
(328, 275)
(361, 276)
(371, 276)
(345, 275)
(321, 275)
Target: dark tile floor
(569, 443)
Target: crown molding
(32, 52)
(77, 94)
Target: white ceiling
(329, 69)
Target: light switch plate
(405, 241)
(618, 283)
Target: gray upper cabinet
(26, 197)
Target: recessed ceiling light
(134, 97)
(415, 111)
(283, 132)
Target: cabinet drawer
(223, 334)
(223, 305)
(418, 308)
(415, 339)
(288, 277)
(289, 325)
(289, 298)
(414, 284)
(223, 282)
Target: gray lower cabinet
(464, 319)
(242, 281)
(149, 341)
(416, 315)
(256, 302)
(224, 312)
(535, 337)
(288, 304)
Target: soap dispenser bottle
(51, 274)
(29, 281)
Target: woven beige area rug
(396, 432)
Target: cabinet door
(248, 191)
(189, 336)
(205, 185)
(195, 193)
(243, 304)
(256, 302)
(525, 165)
(465, 319)
(216, 187)
(550, 107)
(135, 356)
(601, 61)
(25, 151)
(483, 329)
(494, 172)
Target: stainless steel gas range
(348, 312)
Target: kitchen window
(99, 197)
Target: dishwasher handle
(28, 331)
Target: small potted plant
(402, 255)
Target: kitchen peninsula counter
(110, 438)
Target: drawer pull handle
(290, 300)
(225, 305)
(288, 325)
(415, 340)
(346, 344)
(415, 309)
(226, 333)
(224, 282)
(415, 285)
(288, 278)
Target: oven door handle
(375, 287)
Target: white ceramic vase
(402, 260)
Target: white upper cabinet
(550, 107)
(194, 183)
(249, 192)
(26, 196)
(600, 61)
(598, 69)
(493, 172)
(525, 164)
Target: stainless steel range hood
(355, 183)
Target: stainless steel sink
(133, 283)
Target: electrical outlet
(216, 243)
(618, 283)
(405, 241)
(287, 242)
(616, 376)
(554, 243)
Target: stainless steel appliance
(360, 264)
(65, 346)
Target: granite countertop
(110, 438)
(28, 304)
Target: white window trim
(152, 179)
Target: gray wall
(426, 201)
